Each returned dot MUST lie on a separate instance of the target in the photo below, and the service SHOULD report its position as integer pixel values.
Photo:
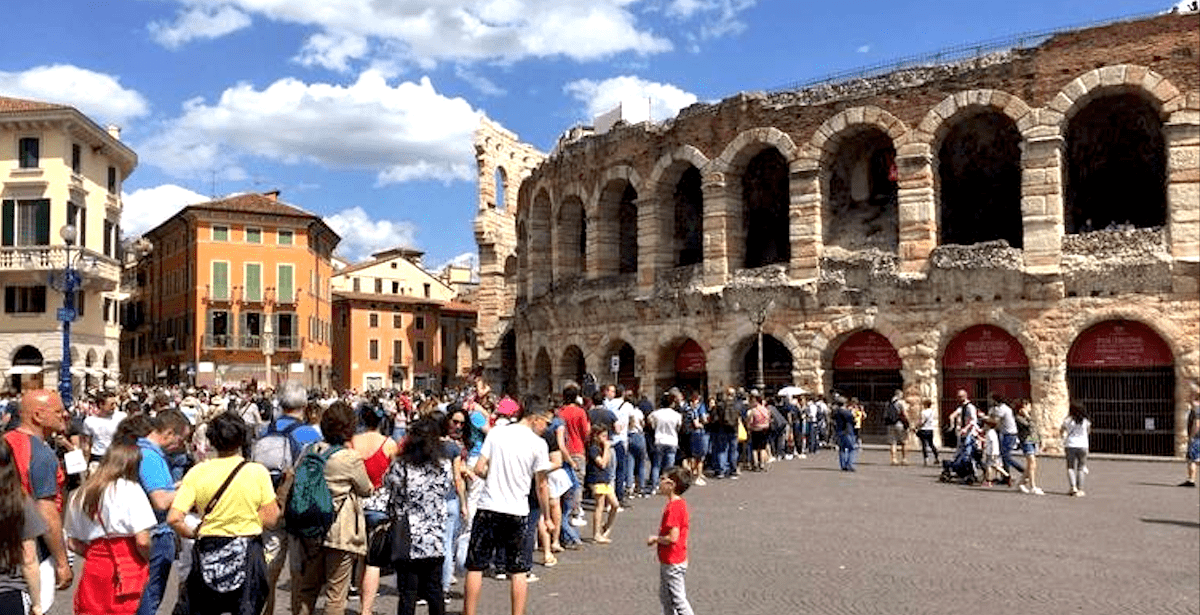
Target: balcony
(218, 341)
(34, 264)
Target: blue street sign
(66, 315)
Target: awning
(23, 370)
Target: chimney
(273, 195)
(114, 131)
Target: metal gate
(1131, 409)
(874, 388)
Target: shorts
(1029, 448)
(897, 434)
(1193, 452)
(601, 488)
(699, 442)
(758, 440)
(494, 534)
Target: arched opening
(689, 219)
(570, 240)
(979, 172)
(776, 365)
(572, 365)
(862, 193)
(867, 366)
(501, 179)
(508, 361)
(1116, 165)
(980, 360)
(691, 368)
(89, 370)
(1124, 375)
(616, 237)
(626, 373)
(538, 247)
(26, 370)
(541, 382)
(765, 209)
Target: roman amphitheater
(1024, 220)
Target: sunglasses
(456, 422)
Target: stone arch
(27, 354)
(109, 360)
(537, 243)
(854, 152)
(570, 237)
(1128, 78)
(677, 197)
(501, 179)
(1165, 328)
(572, 365)
(540, 380)
(613, 239)
(949, 328)
(960, 131)
(724, 178)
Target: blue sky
(362, 112)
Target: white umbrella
(792, 391)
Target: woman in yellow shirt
(236, 501)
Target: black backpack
(891, 415)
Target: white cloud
(403, 132)
(863, 48)
(600, 96)
(97, 95)
(146, 208)
(333, 51)
(486, 86)
(362, 236)
(198, 22)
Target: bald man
(43, 415)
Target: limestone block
(1033, 176)
(1075, 89)
(1061, 103)
(1165, 91)
(1032, 205)
(872, 115)
(838, 123)
(915, 152)
(1090, 80)
(946, 108)
(854, 115)
(1135, 74)
(1112, 75)
(1151, 81)
(927, 127)
(962, 100)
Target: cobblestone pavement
(807, 538)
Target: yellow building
(59, 169)
(233, 291)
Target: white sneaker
(1023, 488)
(577, 522)
(803, 456)
(788, 456)
(701, 482)
(1038, 491)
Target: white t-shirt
(125, 510)
(101, 430)
(621, 427)
(635, 419)
(1077, 433)
(514, 455)
(928, 420)
(666, 426)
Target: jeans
(162, 555)
(577, 492)
(1008, 442)
(926, 438)
(672, 593)
(453, 522)
(418, 577)
(567, 533)
(637, 457)
(621, 453)
(847, 450)
(666, 459)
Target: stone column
(716, 230)
(805, 218)
(917, 215)
(1183, 189)
(1042, 203)
(919, 373)
(1050, 398)
(654, 247)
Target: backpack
(891, 415)
(277, 449)
(310, 511)
(760, 418)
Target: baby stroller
(962, 467)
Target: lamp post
(268, 348)
(66, 314)
(759, 315)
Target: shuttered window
(254, 282)
(284, 282)
(220, 280)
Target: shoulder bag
(222, 560)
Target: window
(379, 286)
(109, 228)
(220, 233)
(81, 305)
(397, 321)
(112, 179)
(285, 238)
(285, 287)
(373, 320)
(395, 288)
(27, 152)
(26, 223)
(76, 159)
(253, 290)
(397, 348)
(253, 235)
(373, 350)
(285, 330)
(357, 286)
(220, 280)
(420, 323)
(420, 351)
(428, 289)
(251, 329)
(78, 216)
(24, 299)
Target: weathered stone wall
(919, 295)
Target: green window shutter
(284, 284)
(42, 237)
(9, 225)
(220, 280)
(253, 282)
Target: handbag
(222, 560)
(401, 533)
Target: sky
(362, 112)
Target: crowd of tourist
(230, 486)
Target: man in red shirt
(578, 428)
(672, 542)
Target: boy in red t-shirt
(672, 542)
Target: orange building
(233, 290)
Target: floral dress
(419, 492)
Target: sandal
(550, 561)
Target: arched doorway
(867, 366)
(777, 364)
(980, 360)
(1124, 375)
(540, 381)
(26, 370)
(508, 361)
(691, 368)
(572, 366)
(626, 370)
(979, 173)
(765, 203)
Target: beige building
(1025, 221)
(59, 168)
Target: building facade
(233, 291)
(58, 168)
(1025, 222)
(399, 326)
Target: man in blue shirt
(170, 430)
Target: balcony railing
(96, 271)
(218, 341)
(251, 342)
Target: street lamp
(66, 314)
(758, 313)
(268, 348)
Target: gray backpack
(277, 450)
